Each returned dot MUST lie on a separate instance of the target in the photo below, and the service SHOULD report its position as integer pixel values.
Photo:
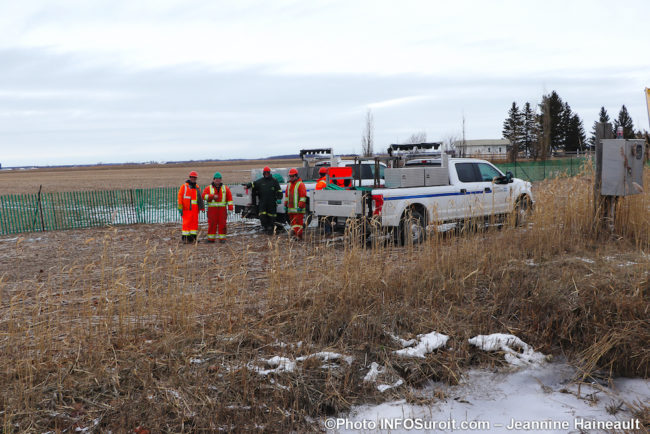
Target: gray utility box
(436, 176)
(338, 203)
(416, 177)
(404, 177)
(622, 172)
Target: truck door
(495, 200)
(470, 191)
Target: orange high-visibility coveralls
(188, 204)
(217, 199)
(296, 201)
(321, 183)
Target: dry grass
(128, 176)
(136, 331)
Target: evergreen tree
(603, 118)
(624, 120)
(575, 135)
(565, 126)
(551, 135)
(512, 129)
(529, 129)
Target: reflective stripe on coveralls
(222, 202)
(217, 214)
(190, 214)
(296, 199)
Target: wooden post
(602, 204)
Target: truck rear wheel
(412, 227)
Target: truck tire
(522, 211)
(412, 227)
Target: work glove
(279, 201)
(180, 212)
(230, 207)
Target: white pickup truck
(451, 191)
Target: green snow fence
(540, 170)
(85, 209)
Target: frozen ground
(537, 398)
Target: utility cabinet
(622, 168)
(436, 176)
(404, 177)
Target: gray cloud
(62, 108)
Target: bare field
(128, 176)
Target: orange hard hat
(194, 174)
(323, 170)
(293, 172)
(266, 169)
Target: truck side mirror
(505, 179)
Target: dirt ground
(43, 253)
(32, 257)
(128, 176)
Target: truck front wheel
(523, 208)
(412, 227)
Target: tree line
(553, 127)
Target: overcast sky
(92, 81)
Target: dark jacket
(266, 191)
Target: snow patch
(517, 352)
(538, 393)
(374, 371)
(327, 355)
(279, 364)
(384, 387)
(282, 364)
(427, 343)
(403, 342)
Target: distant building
(482, 148)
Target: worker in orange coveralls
(322, 181)
(325, 223)
(217, 196)
(190, 203)
(295, 201)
